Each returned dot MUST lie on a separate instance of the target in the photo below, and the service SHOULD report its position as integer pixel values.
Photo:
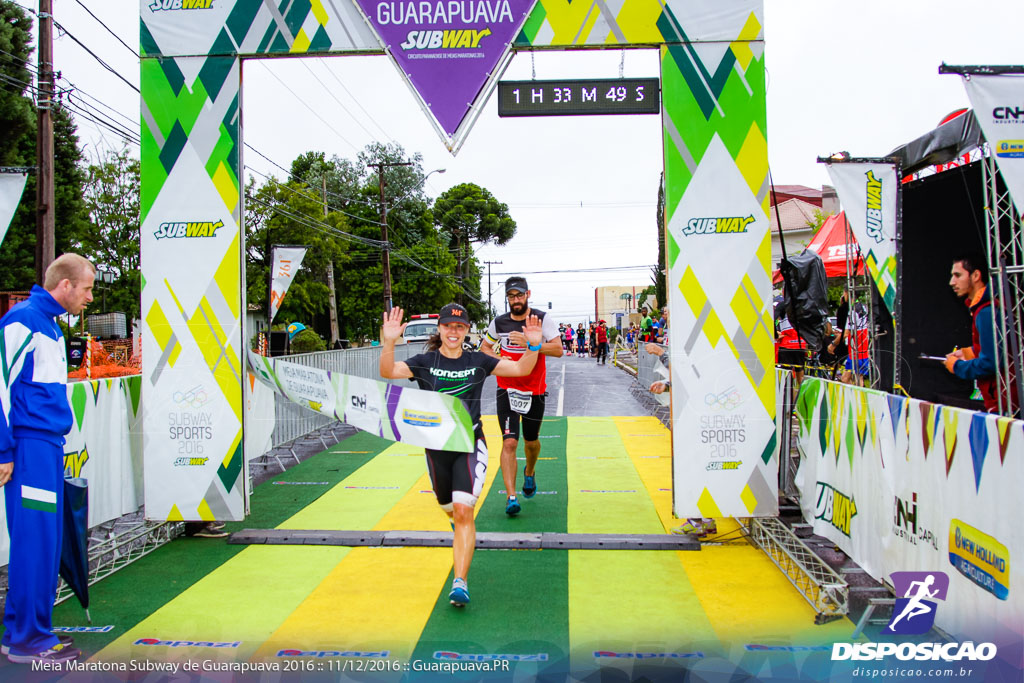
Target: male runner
(520, 398)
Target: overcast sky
(842, 75)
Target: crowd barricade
(106, 441)
(292, 421)
(900, 484)
(103, 446)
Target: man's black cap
(516, 283)
(453, 313)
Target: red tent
(830, 244)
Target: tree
(16, 112)
(111, 239)
(291, 213)
(660, 289)
(468, 213)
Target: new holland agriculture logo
(914, 614)
(419, 418)
(1010, 149)
(835, 507)
(158, 5)
(188, 229)
(874, 211)
(717, 226)
(980, 557)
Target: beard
(517, 308)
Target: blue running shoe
(459, 596)
(512, 507)
(529, 486)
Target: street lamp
(106, 276)
(629, 300)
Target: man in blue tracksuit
(36, 416)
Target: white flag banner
(867, 192)
(287, 261)
(998, 103)
(12, 185)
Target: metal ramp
(484, 540)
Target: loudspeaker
(943, 217)
(75, 351)
(278, 343)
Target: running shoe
(63, 639)
(459, 595)
(512, 507)
(687, 528)
(209, 531)
(59, 653)
(529, 486)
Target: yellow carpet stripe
(727, 579)
(345, 612)
(223, 606)
(285, 575)
(663, 615)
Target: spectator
(601, 334)
(36, 418)
(645, 325)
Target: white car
(420, 327)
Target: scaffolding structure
(1004, 228)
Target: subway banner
(716, 179)
(900, 484)
(413, 416)
(102, 447)
(998, 103)
(867, 192)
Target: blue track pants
(34, 498)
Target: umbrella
(74, 555)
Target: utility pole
(384, 228)
(497, 263)
(330, 277)
(44, 143)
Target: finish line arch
(715, 152)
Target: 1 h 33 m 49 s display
(579, 97)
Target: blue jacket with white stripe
(33, 384)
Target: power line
(109, 30)
(96, 57)
(314, 112)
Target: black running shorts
(508, 419)
(459, 477)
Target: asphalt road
(579, 387)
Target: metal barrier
(292, 421)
